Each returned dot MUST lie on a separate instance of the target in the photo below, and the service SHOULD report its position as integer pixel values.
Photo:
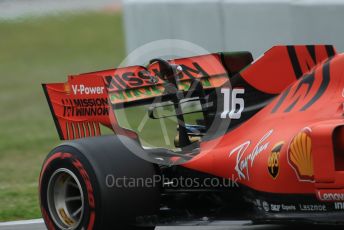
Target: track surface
(233, 225)
(38, 225)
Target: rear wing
(85, 102)
(137, 83)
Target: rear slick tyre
(75, 195)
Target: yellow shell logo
(300, 155)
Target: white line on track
(21, 222)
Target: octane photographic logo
(111, 181)
(157, 123)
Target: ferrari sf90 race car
(198, 141)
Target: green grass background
(33, 51)
(45, 50)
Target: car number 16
(231, 98)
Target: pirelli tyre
(75, 193)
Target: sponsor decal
(85, 107)
(288, 208)
(266, 206)
(65, 217)
(312, 56)
(312, 207)
(131, 79)
(275, 207)
(269, 207)
(148, 92)
(305, 93)
(330, 196)
(258, 204)
(339, 206)
(231, 98)
(306, 207)
(91, 200)
(300, 156)
(244, 163)
(84, 90)
(273, 160)
(67, 88)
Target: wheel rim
(65, 199)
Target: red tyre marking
(89, 188)
(77, 164)
(48, 222)
(87, 180)
(58, 155)
(92, 220)
(47, 162)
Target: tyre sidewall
(70, 159)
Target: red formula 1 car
(199, 140)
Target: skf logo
(273, 161)
(87, 90)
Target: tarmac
(230, 225)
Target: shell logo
(300, 156)
(67, 88)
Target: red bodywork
(294, 145)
